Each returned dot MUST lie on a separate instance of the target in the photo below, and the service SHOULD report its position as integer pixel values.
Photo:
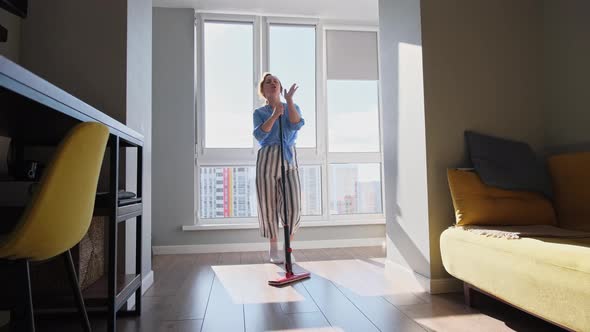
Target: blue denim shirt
(272, 137)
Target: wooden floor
(350, 290)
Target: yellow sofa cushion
(547, 277)
(571, 186)
(478, 204)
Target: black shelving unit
(118, 295)
(35, 112)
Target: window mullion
(200, 93)
(258, 66)
(325, 122)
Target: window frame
(313, 156)
(352, 157)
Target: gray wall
(567, 72)
(11, 48)
(173, 144)
(482, 71)
(173, 101)
(404, 144)
(92, 50)
(80, 46)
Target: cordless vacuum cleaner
(289, 276)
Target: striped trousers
(269, 190)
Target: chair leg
(29, 314)
(76, 289)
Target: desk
(34, 112)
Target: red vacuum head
(289, 278)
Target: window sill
(211, 227)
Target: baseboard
(445, 285)
(260, 246)
(146, 282)
(426, 284)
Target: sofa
(546, 276)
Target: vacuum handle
(288, 264)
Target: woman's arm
(259, 134)
(267, 125)
(262, 128)
(294, 116)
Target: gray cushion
(507, 164)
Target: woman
(268, 162)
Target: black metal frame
(116, 299)
(26, 307)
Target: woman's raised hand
(289, 94)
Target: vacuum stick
(289, 276)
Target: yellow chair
(59, 213)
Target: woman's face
(271, 87)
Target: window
(353, 112)
(339, 148)
(227, 192)
(311, 190)
(228, 67)
(230, 192)
(292, 57)
(355, 189)
(353, 122)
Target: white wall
(173, 144)
(12, 23)
(139, 117)
(404, 144)
(567, 73)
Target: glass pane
(229, 100)
(229, 192)
(292, 59)
(353, 116)
(311, 190)
(355, 188)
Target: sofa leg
(468, 293)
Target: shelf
(129, 211)
(95, 297)
(96, 294)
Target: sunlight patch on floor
(249, 284)
(364, 277)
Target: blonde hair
(261, 83)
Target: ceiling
(337, 11)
